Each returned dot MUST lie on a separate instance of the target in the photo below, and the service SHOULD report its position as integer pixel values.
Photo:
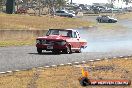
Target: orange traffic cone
(85, 73)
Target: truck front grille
(50, 42)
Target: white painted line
(121, 56)
(69, 63)
(8, 71)
(17, 70)
(76, 62)
(46, 66)
(98, 59)
(83, 61)
(2, 72)
(61, 64)
(91, 60)
(80, 66)
(54, 65)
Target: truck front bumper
(51, 47)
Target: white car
(64, 13)
(106, 19)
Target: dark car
(106, 19)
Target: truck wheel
(68, 50)
(39, 50)
(56, 52)
(79, 51)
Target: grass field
(26, 22)
(18, 22)
(127, 15)
(17, 42)
(67, 76)
(19, 37)
(124, 16)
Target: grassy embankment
(127, 15)
(67, 76)
(124, 16)
(40, 23)
(25, 22)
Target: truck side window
(74, 35)
(69, 34)
(78, 35)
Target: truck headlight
(37, 41)
(43, 41)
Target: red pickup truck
(61, 40)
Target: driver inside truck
(69, 34)
(55, 32)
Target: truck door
(75, 40)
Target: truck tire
(39, 50)
(79, 51)
(56, 52)
(68, 50)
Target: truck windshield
(66, 33)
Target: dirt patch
(67, 76)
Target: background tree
(112, 3)
(55, 4)
(10, 6)
(127, 1)
(0, 5)
(61, 3)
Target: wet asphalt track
(101, 44)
